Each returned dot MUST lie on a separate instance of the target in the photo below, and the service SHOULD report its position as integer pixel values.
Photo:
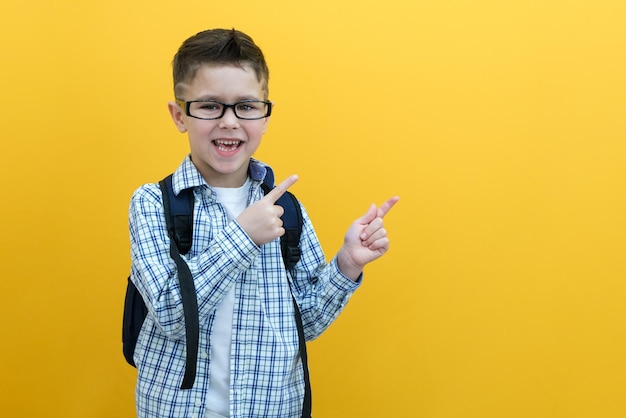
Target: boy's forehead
(223, 79)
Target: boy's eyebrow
(219, 99)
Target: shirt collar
(187, 175)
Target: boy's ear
(178, 116)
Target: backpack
(179, 221)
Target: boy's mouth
(226, 145)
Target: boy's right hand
(261, 220)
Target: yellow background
(501, 125)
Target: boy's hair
(221, 47)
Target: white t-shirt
(234, 201)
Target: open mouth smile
(225, 145)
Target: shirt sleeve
(321, 289)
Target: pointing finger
(280, 190)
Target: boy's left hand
(365, 241)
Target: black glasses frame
(187, 107)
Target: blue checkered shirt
(266, 372)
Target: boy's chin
(225, 175)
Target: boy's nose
(229, 118)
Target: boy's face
(221, 148)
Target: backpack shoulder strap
(179, 220)
(292, 222)
(180, 217)
(290, 247)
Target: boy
(248, 362)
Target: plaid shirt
(266, 372)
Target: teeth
(226, 145)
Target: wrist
(347, 266)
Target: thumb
(369, 216)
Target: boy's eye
(209, 106)
(246, 107)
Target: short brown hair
(222, 47)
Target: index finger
(386, 207)
(280, 190)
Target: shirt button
(204, 355)
(198, 403)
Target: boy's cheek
(265, 123)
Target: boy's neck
(224, 180)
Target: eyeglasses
(211, 109)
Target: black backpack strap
(290, 247)
(179, 220)
(292, 223)
(306, 403)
